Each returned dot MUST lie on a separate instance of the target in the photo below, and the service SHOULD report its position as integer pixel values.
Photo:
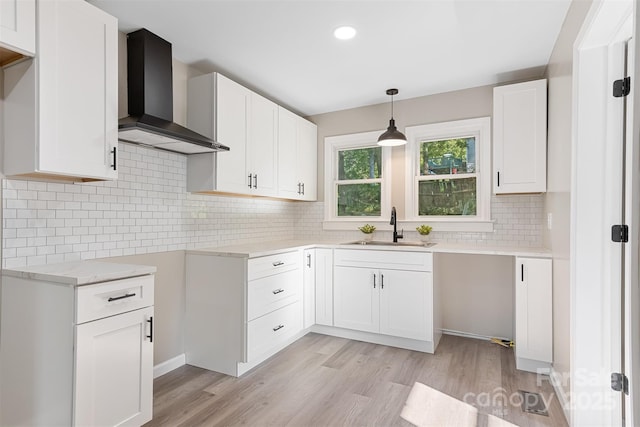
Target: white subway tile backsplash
(148, 210)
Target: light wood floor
(327, 381)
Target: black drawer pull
(114, 158)
(277, 263)
(277, 328)
(121, 297)
(277, 291)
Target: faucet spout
(393, 222)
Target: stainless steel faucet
(396, 236)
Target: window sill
(474, 226)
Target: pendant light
(392, 137)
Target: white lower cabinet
(533, 314)
(114, 385)
(76, 355)
(240, 311)
(323, 286)
(385, 292)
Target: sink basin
(385, 243)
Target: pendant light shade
(392, 137)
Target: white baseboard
(470, 335)
(169, 365)
(561, 394)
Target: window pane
(361, 163)
(449, 156)
(359, 199)
(447, 197)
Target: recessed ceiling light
(344, 33)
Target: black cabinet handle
(277, 328)
(150, 336)
(309, 260)
(498, 178)
(374, 281)
(299, 188)
(114, 158)
(381, 281)
(522, 272)
(121, 297)
(255, 180)
(303, 188)
(250, 180)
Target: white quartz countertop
(258, 249)
(77, 273)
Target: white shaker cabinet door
(78, 89)
(114, 370)
(262, 134)
(231, 130)
(309, 290)
(18, 26)
(356, 298)
(520, 138)
(406, 306)
(324, 286)
(534, 330)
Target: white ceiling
(286, 49)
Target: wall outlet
(549, 221)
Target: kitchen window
(447, 171)
(356, 171)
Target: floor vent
(533, 403)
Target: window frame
(334, 144)
(480, 129)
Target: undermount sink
(385, 243)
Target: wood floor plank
(327, 381)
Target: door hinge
(622, 87)
(619, 382)
(620, 233)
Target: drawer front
(397, 260)
(273, 292)
(273, 264)
(270, 331)
(115, 297)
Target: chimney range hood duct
(150, 90)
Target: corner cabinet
(533, 314)
(520, 138)
(240, 311)
(92, 345)
(254, 129)
(17, 30)
(386, 292)
(297, 157)
(60, 108)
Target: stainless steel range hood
(150, 90)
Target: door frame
(595, 347)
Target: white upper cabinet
(253, 128)
(297, 157)
(17, 29)
(218, 109)
(520, 138)
(61, 108)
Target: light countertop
(258, 249)
(77, 273)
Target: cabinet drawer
(110, 298)
(272, 292)
(398, 260)
(271, 330)
(273, 264)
